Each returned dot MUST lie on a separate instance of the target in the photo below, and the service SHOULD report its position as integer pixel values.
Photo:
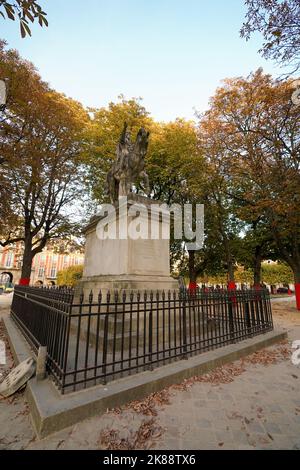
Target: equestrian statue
(129, 167)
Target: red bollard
(231, 285)
(297, 292)
(24, 281)
(193, 285)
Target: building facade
(45, 265)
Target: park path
(252, 404)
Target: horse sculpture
(129, 166)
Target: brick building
(45, 265)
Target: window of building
(53, 272)
(9, 259)
(41, 271)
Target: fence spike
(81, 297)
(91, 296)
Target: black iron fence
(91, 340)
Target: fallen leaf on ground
(142, 439)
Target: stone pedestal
(137, 258)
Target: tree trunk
(230, 265)
(26, 263)
(293, 260)
(192, 271)
(297, 286)
(257, 267)
(230, 272)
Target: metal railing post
(150, 337)
(231, 319)
(184, 325)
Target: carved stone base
(127, 282)
(126, 263)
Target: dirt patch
(149, 430)
(269, 356)
(286, 311)
(148, 406)
(221, 375)
(144, 438)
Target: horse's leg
(110, 190)
(116, 189)
(143, 175)
(123, 186)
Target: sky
(172, 53)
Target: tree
(173, 160)
(279, 23)
(280, 273)
(175, 168)
(256, 246)
(262, 149)
(41, 143)
(70, 276)
(25, 11)
(225, 225)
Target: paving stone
(272, 428)
(204, 423)
(255, 427)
